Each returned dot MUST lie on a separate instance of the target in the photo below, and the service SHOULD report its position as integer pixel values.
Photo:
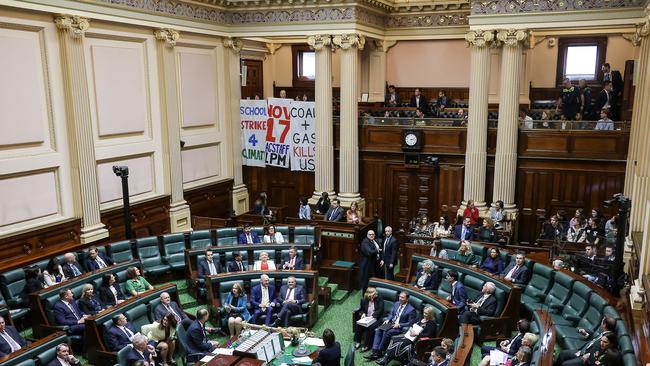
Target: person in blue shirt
(493, 263)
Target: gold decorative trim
(319, 42)
(235, 44)
(642, 31)
(347, 41)
(513, 37)
(167, 35)
(480, 38)
(273, 47)
(76, 25)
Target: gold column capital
(319, 42)
(76, 25)
(167, 35)
(347, 41)
(235, 44)
(384, 45)
(642, 31)
(513, 37)
(273, 47)
(480, 38)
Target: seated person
(163, 333)
(197, 340)
(120, 334)
(54, 273)
(392, 99)
(442, 101)
(464, 231)
(517, 354)
(97, 260)
(304, 211)
(249, 236)
(497, 214)
(461, 118)
(607, 326)
(604, 123)
(425, 278)
(263, 300)
(484, 305)
(33, 282)
(448, 345)
(423, 228)
(493, 263)
(354, 214)
(437, 251)
(264, 263)
(141, 351)
(67, 312)
(418, 100)
(401, 347)
(237, 264)
(207, 266)
(10, 340)
(598, 352)
(592, 231)
(335, 212)
(371, 305)
(136, 284)
(89, 303)
(576, 233)
(553, 230)
(465, 254)
(293, 261)
(323, 204)
(439, 357)
(471, 212)
(272, 236)
(610, 254)
(236, 309)
(442, 228)
(458, 296)
(261, 205)
(290, 300)
(64, 357)
(523, 356)
(167, 306)
(512, 345)
(110, 293)
(330, 355)
(71, 268)
(487, 233)
(399, 320)
(516, 272)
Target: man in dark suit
(168, 306)
(389, 253)
(71, 268)
(290, 300)
(263, 300)
(464, 231)
(392, 99)
(335, 212)
(419, 101)
(141, 351)
(120, 334)
(516, 272)
(293, 261)
(605, 98)
(237, 265)
(97, 260)
(617, 88)
(10, 339)
(400, 318)
(208, 266)
(607, 326)
(369, 256)
(512, 345)
(197, 339)
(553, 230)
(64, 356)
(439, 357)
(484, 305)
(66, 312)
(249, 236)
(458, 295)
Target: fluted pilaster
(239, 190)
(350, 44)
(476, 152)
(505, 159)
(71, 34)
(377, 69)
(324, 172)
(179, 211)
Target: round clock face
(411, 139)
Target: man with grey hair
(484, 305)
(71, 267)
(64, 357)
(141, 351)
(263, 300)
(389, 253)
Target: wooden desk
(547, 328)
(34, 349)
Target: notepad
(312, 341)
(366, 321)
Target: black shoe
(373, 356)
(381, 362)
(365, 349)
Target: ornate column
(239, 190)
(476, 152)
(267, 68)
(350, 44)
(179, 211)
(324, 172)
(505, 159)
(82, 149)
(377, 82)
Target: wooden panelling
(214, 200)
(147, 218)
(437, 141)
(544, 93)
(283, 186)
(609, 145)
(20, 250)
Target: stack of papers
(366, 321)
(498, 358)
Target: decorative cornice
(77, 26)
(319, 42)
(167, 35)
(429, 20)
(512, 37)
(273, 47)
(384, 45)
(480, 38)
(348, 41)
(642, 31)
(533, 6)
(235, 44)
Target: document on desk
(223, 351)
(497, 357)
(302, 360)
(312, 341)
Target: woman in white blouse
(264, 264)
(163, 332)
(54, 272)
(272, 236)
(442, 229)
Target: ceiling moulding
(429, 20)
(536, 6)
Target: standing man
(389, 253)
(370, 254)
(569, 100)
(585, 100)
(614, 76)
(197, 339)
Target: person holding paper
(401, 317)
(510, 346)
(371, 307)
(401, 347)
(496, 356)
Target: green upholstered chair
(227, 236)
(138, 316)
(201, 239)
(121, 251)
(539, 285)
(304, 235)
(12, 284)
(174, 250)
(149, 253)
(123, 354)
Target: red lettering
(269, 131)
